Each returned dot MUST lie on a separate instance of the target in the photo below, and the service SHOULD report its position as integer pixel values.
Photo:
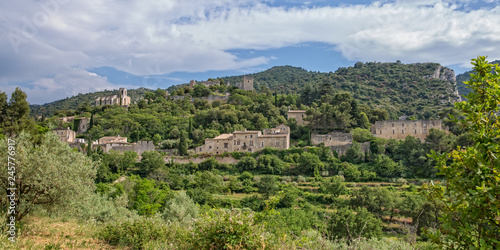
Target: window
(226, 145)
(302, 116)
(403, 124)
(415, 131)
(251, 136)
(249, 150)
(277, 144)
(414, 124)
(425, 131)
(245, 136)
(234, 142)
(244, 144)
(209, 147)
(262, 144)
(393, 131)
(380, 132)
(200, 149)
(402, 131)
(393, 125)
(251, 143)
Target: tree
(49, 175)
(352, 225)
(268, 186)
(471, 192)
(181, 208)
(17, 115)
(335, 187)
(247, 163)
(151, 160)
(183, 143)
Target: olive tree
(49, 175)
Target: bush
(169, 144)
(223, 229)
(270, 164)
(352, 225)
(134, 233)
(181, 208)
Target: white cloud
(50, 42)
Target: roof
(274, 135)
(246, 132)
(296, 111)
(224, 136)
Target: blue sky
(54, 49)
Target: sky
(53, 49)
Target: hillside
(73, 102)
(421, 89)
(461, 78)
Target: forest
(406, 194)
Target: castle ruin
(247, 83)
(121, 99)
(400, 129)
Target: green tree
(353, 225)
(151, 160)
(50, 175)
(268, 186)
(247, 163)
(183, 143)
(335, 187)
(181, 208)
(17, 114)
(470, 194)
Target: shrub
(134, 233)
(181, 208)
(226, 229)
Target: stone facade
(83, 125)
(121, 99)
(299, 116)
(247, 83)
(118, 143)
(332, 139)
(66, 135)
(399, 130)
(247, 140)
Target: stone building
(299, 116)
(338, 142)
(118, 143)
(332, 139)
(121, 99)
(66, 135)
(247, 140)
(247, 83)
(400, 129)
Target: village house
(247, 140)
(66, 135)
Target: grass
(42, 232)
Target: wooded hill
(461, 78)
(412, 89)
(73, 102)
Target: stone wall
(198, 160)
(332, 139)
(399, 130)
